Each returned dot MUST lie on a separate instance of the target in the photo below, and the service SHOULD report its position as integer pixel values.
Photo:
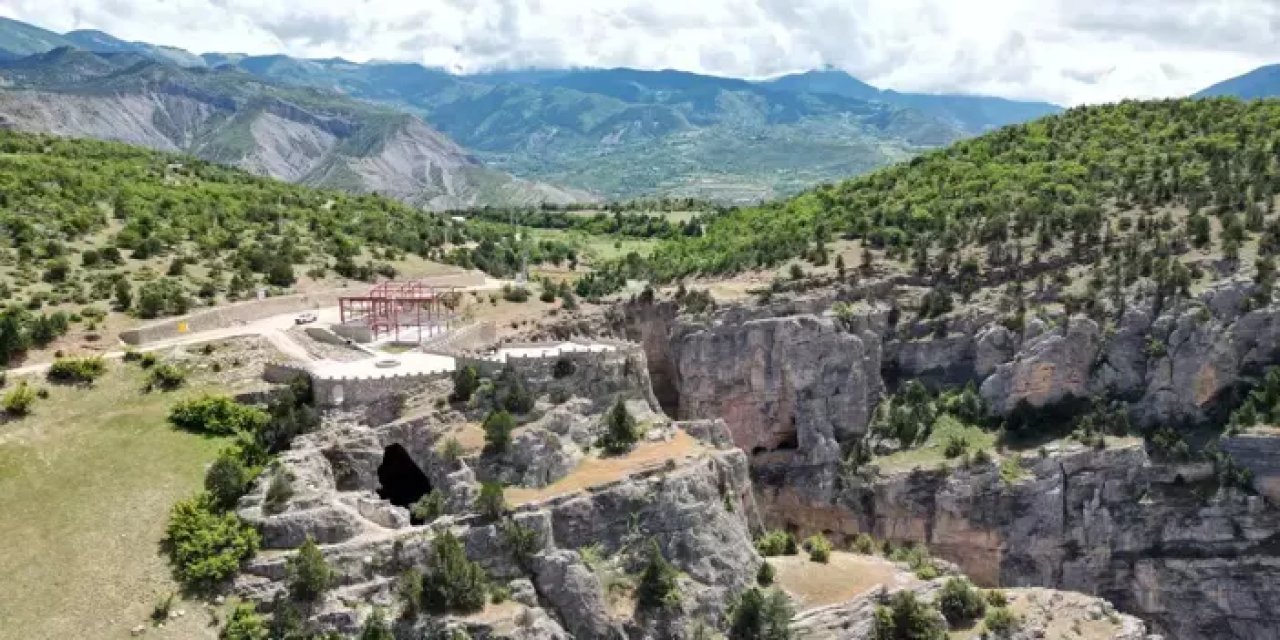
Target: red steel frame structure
(391, 305)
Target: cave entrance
(401, 482)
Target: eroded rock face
(780, 383)
(1158, 540)
(1052, 366)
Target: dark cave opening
(400, 480)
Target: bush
(960, 602)
(765, 575)
(227, 478)
(453, 583)
(907, 618)
(244, 624)
(1000, 622)
(956, 446)
(278, 492)
(777, 543)
(309, 574)
(465, 381)
(17, 402)
(409, 592)
(659, 585)
(452, 450)
(620, 433)
(375, 627)
(563, 368)
(864, 544)
(217, 415)
(428, 507)
(148, 360)
(819, 548)
(498, 426)
(514, 294)
(996, 598)
(757, 616)
(166, 377)
(510, 393)
(491, 503)
(206, 546)
(76, 370)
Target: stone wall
(230, 315)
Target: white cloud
(1066, 51)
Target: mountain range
(615, 133)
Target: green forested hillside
(1055, 179)
(79, 217)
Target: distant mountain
(622, 133)
(19, 39)
(1263, 82)
(228, 116)
(627, 133)
(973, 114)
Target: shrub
(166, 377)
(960, 602)
(18, 400)
(205, 546)
(375, 627)
(491, 502)
(498, 426)
(514, 294)
(956, 446)
(465, 381)
(217, 415)
(907, 618)
(620, 431)
(757, 616)
(659, 585)
(227, 478)
(819, 548)
(452, 450)
(244, 624)
(864, 544)
(523, 541)
(563, 368)
(278, 492)
(996, 598)
(409, 592)
(163, 608)
(777, 543)
(148, 360)
(76, 370)
(131, 355)
(309, 573)
(510, 393)
(765, 575)
(453, 583)
(428, 507)
(1000, 622)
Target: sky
(1063, 51)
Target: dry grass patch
(595, 470)
(844, 577)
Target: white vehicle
(305, 318)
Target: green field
(86, 483)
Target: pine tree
(621, 432)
